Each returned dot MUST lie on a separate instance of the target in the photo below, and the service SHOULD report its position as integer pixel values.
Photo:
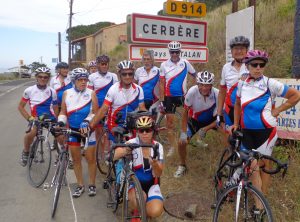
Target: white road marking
(69, 178)
(16, 87)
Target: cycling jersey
(149, 82)
(256, 97)
(201, 108)
(143, 170)
(60, 87)
(79, 106)
(175, 75)
(122, 101)
(40, 100)
(100, 83)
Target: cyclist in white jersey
(146, 168)
(255, 113)
(42, 100)
(78, 107)
(172, 86)
(199, 115)
(61, 81)
(92, 67)
(147, 77)
(231, 73)
(123, 97)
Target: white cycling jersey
(203, 109)
(257, 97)
(101, 83)
(40, 100)
(60, 87)
(175, 75)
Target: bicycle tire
(58, 183)
(226, 205)
(39, 162)
(101, 154)
(162, 130)
(112, 190)
(134, 183)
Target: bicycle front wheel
(135, 206)
(61, 168)
(39, 162)
(247, 205)
(102, 152)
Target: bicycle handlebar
(133, 146)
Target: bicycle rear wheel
(232, 207)
(39, 162)
(133, 186)
(162, 130)
(102, 152)
(61, 167)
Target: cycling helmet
(62, 65)
(79, 73)
(92, 64)
(144, 122)
(256, 54)
(102, 59)
(125, 64)
(174, 46)
(43, 70)
(205, 77)
(239, 40)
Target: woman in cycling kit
(147, 169)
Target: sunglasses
(255, 65)
(145, 130)
(43, 77)
(175, 52)
(130, 74)
(104, 64)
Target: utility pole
(296, 50)
(69, 34)
(59, 47)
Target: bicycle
(241, 201)
(39, 159)
(59, 178)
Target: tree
(296, 50)
(33, 66)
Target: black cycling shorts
(148, 103)
(194, 125)
(171, 102)
(253, 139)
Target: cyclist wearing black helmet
(231, 73)
(61, 81)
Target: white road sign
(161, 53)
(162, 30)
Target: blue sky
(29, 28)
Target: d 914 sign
(185, 8)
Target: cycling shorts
(261, 139)
(75, 140)
(153, 192)
(148, 103)
(194, 126)
(171, 102)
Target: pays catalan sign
(162, 30)
(185, 8)
(161, 53)
(288, 122)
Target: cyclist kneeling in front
(199, 115)
(146, 169)
(78, 107)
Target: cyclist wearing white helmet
(78, 107)
(92, 67)
(42, 100)
(147, 77)
(231, 73)
(123, 97)
(199, 114)
(172, 86)
(61, 81)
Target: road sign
(161, 53)
(185, 8)
(162, 30)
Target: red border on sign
(160, 46)
(163, 18)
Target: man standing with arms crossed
(172, 87)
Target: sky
(29, 28)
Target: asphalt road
(18, 200)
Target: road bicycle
(59, 178)
(39, 159)
(241, 201)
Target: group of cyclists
(91, 100)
